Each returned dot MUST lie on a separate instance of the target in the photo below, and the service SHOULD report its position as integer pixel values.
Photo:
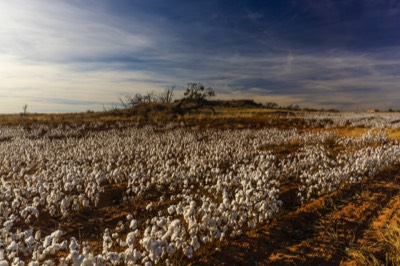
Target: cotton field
(183, 188)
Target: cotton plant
(213, 184)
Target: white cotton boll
(68, 186)
(30, 241)
(128, 255)
(17, 262)
(86, 250)
(3, 263)
(149, 206)
(33, 263)
(38, 235)
(137, 255)
(133, 224)
(8, 224)
(12, 246)
(189, 252)
(120, 228)
(205, 239)
(122, 243)
(190, 212)
(195, 243)
(156, 248)
(129, 217)
(99, 261)
(115, 235)
(48, 263)
(12, 255)
(170, 249)
(73, 244)
(130, 238)
(212, 207)
(234, 216)
(162, 222)
(73, 257)
(147, 231)
(27, 233)
(222, 237)
(87, 262)
(63, 245)
(171, 209)
(180, 209)
(47, 241)
(113, 257)
(148, 263)
(63, 262)
(57, 234)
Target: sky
(78, 55)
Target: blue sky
(62, 56)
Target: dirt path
(320, 232)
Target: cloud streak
(37, 30)
(75, 55)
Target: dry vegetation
(156, 113)
(355, 224)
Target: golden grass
(356, 132)
(393, 133)
(388, 242)
(351, 131)
(15, 119)
(151, 113)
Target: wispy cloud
(58, 50)
(75, 55)
(59, 31)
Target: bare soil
(321, 232)
(317, 233)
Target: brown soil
(89, 225)
(318, 233)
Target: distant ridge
(242, 103)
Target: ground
(321, 232)
(340, 228)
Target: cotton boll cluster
(320, 173)
(209, 185)
(365, 120)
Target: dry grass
(352, 131)
(388, 243)
(161, 114)
(15, 119)
(393, 133)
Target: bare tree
(132, 101)
(149, 97)
(167, 95)
(124, 104)
(24, 109)
(272, 105)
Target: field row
(171, 191)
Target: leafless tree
(149, 97)
(131, 101)
(24, 109)
(167, 95)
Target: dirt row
(317, 233)
(321, 232)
